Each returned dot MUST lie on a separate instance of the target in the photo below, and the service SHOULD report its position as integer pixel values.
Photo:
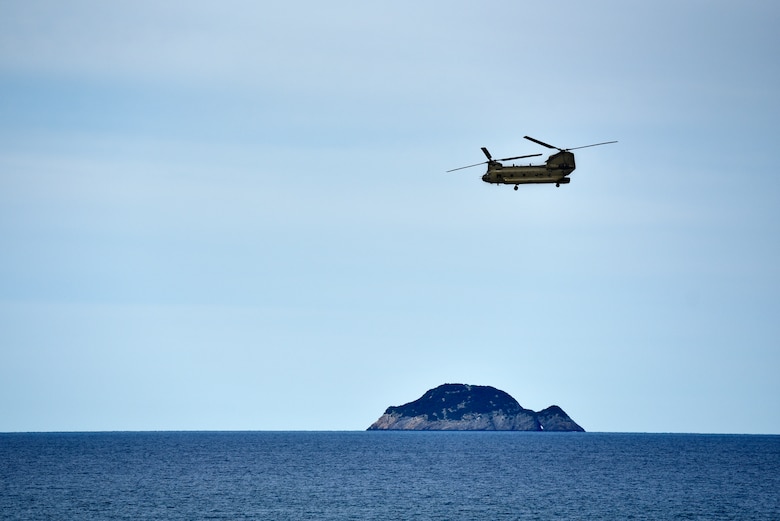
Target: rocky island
(461, 407)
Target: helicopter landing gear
(557, 185)
(515, 188)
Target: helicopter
(555, 170)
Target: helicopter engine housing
(562, 161)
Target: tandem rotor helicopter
(554, 170)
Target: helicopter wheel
(515, 188)
(557, 185)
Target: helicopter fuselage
(555, 170)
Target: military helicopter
(555, 169)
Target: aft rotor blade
(519, 157)
(594, 145)
(540, 142)
(461, 168)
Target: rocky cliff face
(554, 419)
(459, 407)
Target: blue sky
(236, 216)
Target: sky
(235, 215)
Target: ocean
(388, 475)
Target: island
(462, 407)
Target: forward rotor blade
(490, 158)
(461, 168)
(540, 142)
(594, 145)
(519, 157)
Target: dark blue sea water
(388, 475)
